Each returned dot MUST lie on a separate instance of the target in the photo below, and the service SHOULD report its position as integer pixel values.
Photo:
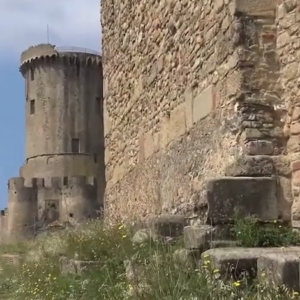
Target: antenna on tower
(47, 33)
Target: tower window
(75, 145)
(32, 74)
(32, 107)
(98, 105)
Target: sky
(24, 23)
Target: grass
(152, 271)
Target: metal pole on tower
(47, 33)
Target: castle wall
(62, 198)
(64, 129)
(22, 209)
(3, 226)
(288, 50)
(177, 78)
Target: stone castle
(63, 176)
(192, 91)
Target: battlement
(60, 182)
(4, 212)
(41, 50)
(18, 183)
(35, 55)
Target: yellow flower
(236, 283)
(121, 227)
(124, 236)
(216, 271)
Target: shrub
(251, 233)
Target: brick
(188, 98)
(177, 126)
(203, 104)
(197, 237)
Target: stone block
(149, 146)
(243, 195)
(279, 269)
(188, 98)
(266, 8)
(177, 125)
(203, 104)
(258, 165)
(233, 260)
(167, 225)
(259, 147)
(197, 237)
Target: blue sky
(24, 23)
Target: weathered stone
(198, 237)
(203, 104)
(232, 260)
(167, 225)
(279, 269)
(141, 236)
(259, 147)
(251, 166)
(245, 196)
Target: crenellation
(64, 160)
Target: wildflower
(121, 227)
(237, 283)
(216, 271)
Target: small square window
(75, 145)
(32, 107)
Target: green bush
(251, 233)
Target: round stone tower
(64, 112)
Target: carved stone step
(228, 197)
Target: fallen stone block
(167, 225)
(279, 269)
(258, 165)
(229, 196)
(141, 236)
(197, 237)
(233, 261)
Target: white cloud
(71, 23)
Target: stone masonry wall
(288, 49)
(188, 87)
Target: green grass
(159, 276)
